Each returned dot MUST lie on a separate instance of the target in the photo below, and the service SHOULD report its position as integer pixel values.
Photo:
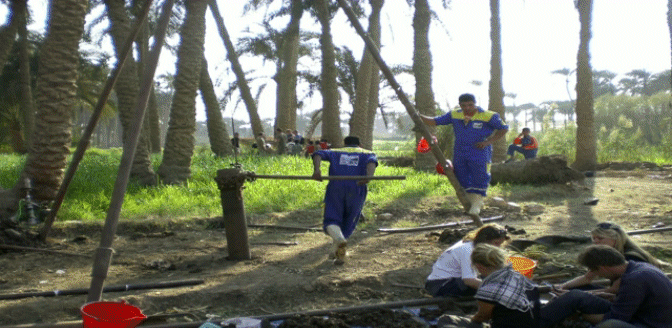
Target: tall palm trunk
(238, 70)
(55, 98)
(374, 33)
(422, 69)
(175, 167)
(496, 90)
(331, 122)
(27, 108)
(219, 137)
(669, 27)
(127, 89)
(7, 36)
(286, 90)
(586, 142)
(359, 122)
(152, 117)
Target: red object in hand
(423, 146)
(439, 167)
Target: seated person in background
(262, 146)
(524, 144)
(612, 235)
(503, 295)
(324, 144)
(644, 296)
(298, 139)
(310, 149)
(453, 274)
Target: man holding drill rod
(475, 131)
(344, 199)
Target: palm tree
(286, 103)
(669, 27)
(513, 110)
(496, 90)
(26, 99)
(367, 83)
(422, 70)
(55, 94)
(566, 72)
(175, 167)
(219, 137)
(331, 123)
(238, 70)
(8, 35)
(603, 83)
(586, 141)
(127, 89)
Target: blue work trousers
(528, 153)
(343, 203)
(472, 171)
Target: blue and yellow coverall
(344, 199)
(472, 165)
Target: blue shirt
(348, 160)
(645, 296)
(472, 131)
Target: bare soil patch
(290, 270)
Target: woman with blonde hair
(503, 296)
(453, 274)
(612, 235)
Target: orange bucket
(111, 315)
(523, 265)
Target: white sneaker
(340, 253)
(476, 204)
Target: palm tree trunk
(27, 108)
(179, 148)
(238, 70)
(7, 36)
(286, 89)
(496, 90)
(219, 137)
(127, 89)
(55, 98)
(374, 89)
(359, 119)
(422, 69)
(586, 143)
(331, 122)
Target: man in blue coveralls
(475, 131)
(344, 199)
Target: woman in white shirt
(453, 273)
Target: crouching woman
(503, 297)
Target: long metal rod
(438, 226)
(84, 141)
(436, 151)
(103, 258)
(109, 289)
(335, 177)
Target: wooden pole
(342, 177)
(104, 252)
(436, 151)
(438, 226)
(230, 183)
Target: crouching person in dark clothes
(644, 298)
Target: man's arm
(370, 171)
(499, 134)
(317, 173)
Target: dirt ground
(290, 270)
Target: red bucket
(423, 146)
(111, 315)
